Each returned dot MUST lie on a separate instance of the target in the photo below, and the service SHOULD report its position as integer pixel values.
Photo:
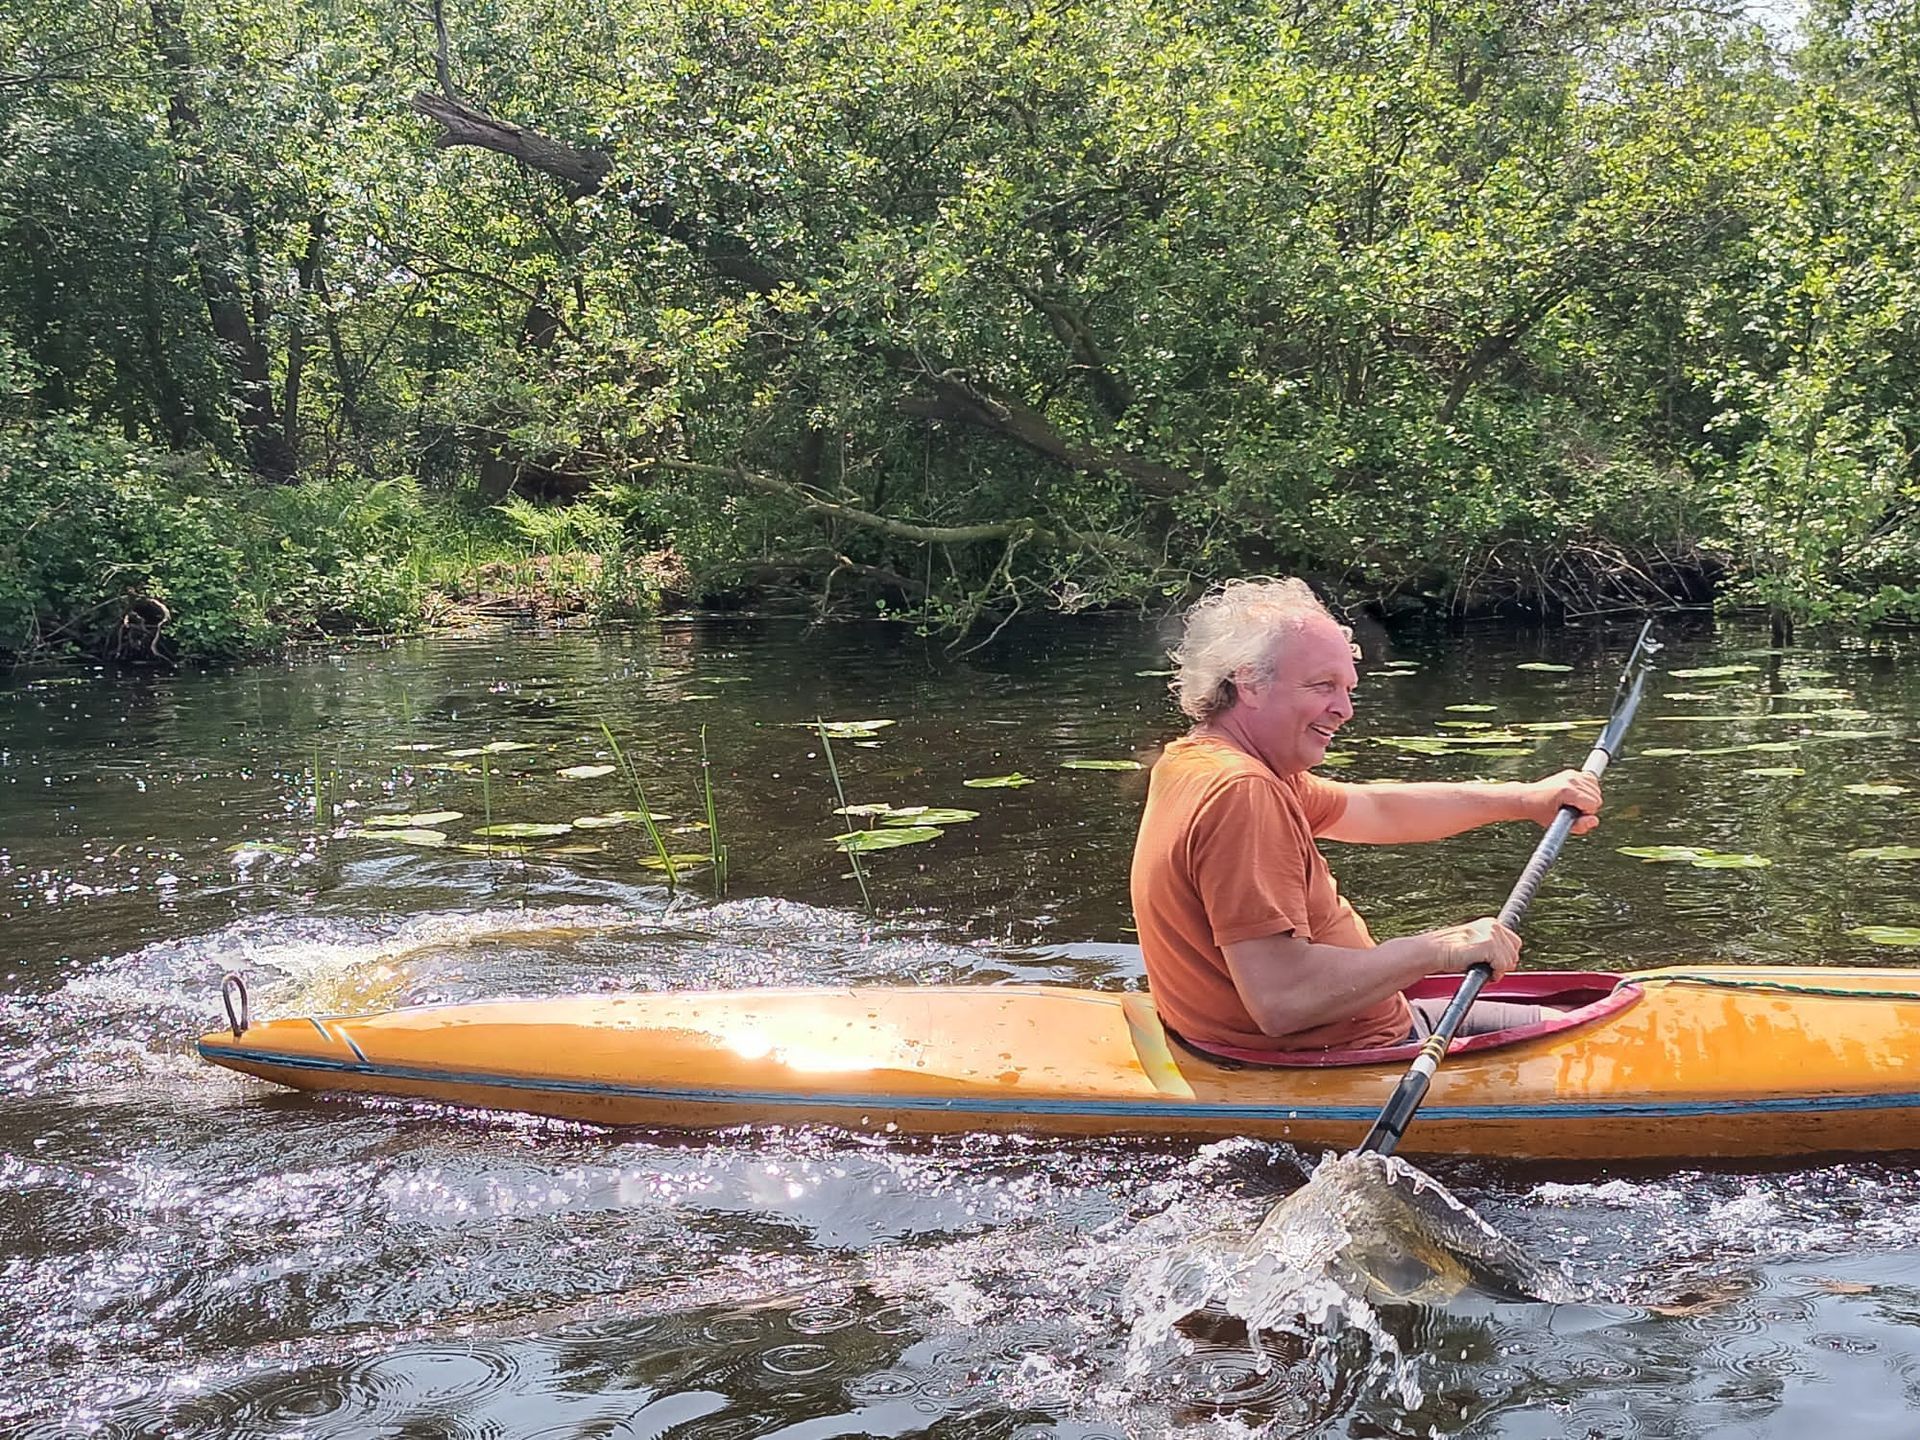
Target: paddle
(1398, 1111)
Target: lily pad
(1337, 759)
(1875, 788)
(525, 829)
(1152, 674)
(1815, 692)
(1700, 859)
(613, 818)
(1101, 765)
(1770, 747)
(1853, 734)
(1471, 709)
(1463, 725)
(929, 815)
(680, 862)
(432, 839)
(584, 772)
(876, 808)
(260, 847)
(1544, 726)
(887, 839)
(1775, 772)
(1716, 860)
(1546, 667)
(849, 729)
(1885, 852)
(997, 782)
(1888, 934)
(1684, 695)
(1713, 672)
(427, 820)
(496, 747)
(1661, 853)
(475, 847)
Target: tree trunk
(227, 307)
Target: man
(1248, 942)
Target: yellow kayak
(1674, 1063)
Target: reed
(833, 769)
(322, 794)
(486, 799)
(716, 848)
(646, 810)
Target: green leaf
(1888, 934)
(998, 782)
(1101, 765)
(613, 818)
(847, 729)
(584, 772)
(525, 829)
(405, 822)
(653, 861)
(1774, 772)
(1885, 852)
(1718, 860)
(886, 839)
(1713, 672)
(432, 839)
(1661, 853)
(1875, 788)
(1472, 709)
(1546, 667)
(871, 809)
(929, 815)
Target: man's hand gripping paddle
(1385, 1135)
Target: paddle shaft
(1394, 1117)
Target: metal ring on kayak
(239, 1020)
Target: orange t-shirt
(1225, 854)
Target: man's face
(1292, 717)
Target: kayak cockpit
(1571, 999)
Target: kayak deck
(1708, 1061)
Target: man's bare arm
(1289, 984)
(1406, 812)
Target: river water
(188, 1253)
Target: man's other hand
(1458, 948)
(1543, 799)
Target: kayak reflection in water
(1247, 941)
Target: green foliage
(959, 311)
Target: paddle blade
(1388, 1231)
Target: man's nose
(1342, 706)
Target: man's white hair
(1236, 630)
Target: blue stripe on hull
(1114, 1109)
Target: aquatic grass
(486, 797)
(645, 810)
(716, 848)
(840, 793)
